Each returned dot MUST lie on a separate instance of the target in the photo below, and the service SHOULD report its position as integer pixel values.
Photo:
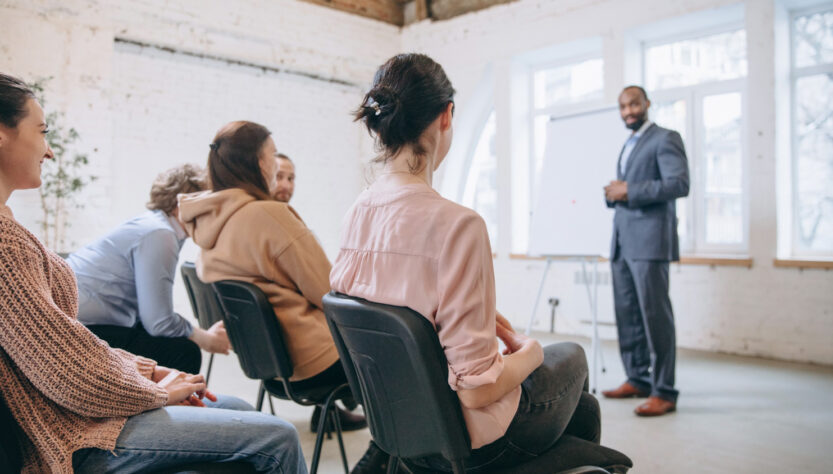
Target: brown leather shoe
(655, 406)
(626, 390)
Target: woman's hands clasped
(183, 389)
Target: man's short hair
(640, 88)
(281, 155)
(182, 179)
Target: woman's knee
(566, 355)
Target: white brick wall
(142, 110)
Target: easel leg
(538, 297)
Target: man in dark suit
(651, 174)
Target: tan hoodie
(266, 243)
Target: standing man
(286, 178)
(651, 174)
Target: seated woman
(126, 280)
(405, 245)
(81, 405)
(245, 234)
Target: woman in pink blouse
(403, 244)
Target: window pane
(683, 63)
(814, 165)
(673, 115)
(480, 193)
(723, 220)
(723, 168)
(569, 84)
(813, 39)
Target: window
(480, 190)
(812, 132)
(696, 86)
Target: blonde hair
(187, 178)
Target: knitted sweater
(66, 388)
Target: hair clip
(374, 105)
(213, 146)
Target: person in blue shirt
(125, 281)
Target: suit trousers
(645, 322)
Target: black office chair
(204, 303)
(396, 366)
(257, 338)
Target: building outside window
(696, 86)
(812, 131)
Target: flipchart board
(569, 215)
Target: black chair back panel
(253, 330)
(398, 366)
(202, 296)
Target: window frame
(693, 95)
(797, 73)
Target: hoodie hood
(204, 214)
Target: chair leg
(319, 437)
(326, 409)
(260, 392)
(271, 406)
(208, 372)
(337, 424)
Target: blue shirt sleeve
(154, 264)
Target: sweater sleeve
(56, 353)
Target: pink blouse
(412, 247)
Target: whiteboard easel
(570, 219)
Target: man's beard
(636, 125)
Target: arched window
(480, 190)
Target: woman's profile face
(268, 164)
(24, 148)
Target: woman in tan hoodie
(246, 235)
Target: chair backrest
(254, 331)
(393, 358)
(204, 302)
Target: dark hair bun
(409, 92)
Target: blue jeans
(230, 430)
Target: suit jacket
(645, 226)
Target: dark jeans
(554, 401)
(178, 353)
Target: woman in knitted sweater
(80, 405)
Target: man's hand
(616, 191)
(214, 339)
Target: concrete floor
(735, 415)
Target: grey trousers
(645, 321)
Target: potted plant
(63, 178)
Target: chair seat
(571, 452)
(315, 395)
(569, 455)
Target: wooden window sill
(712, 261)
(802, 263)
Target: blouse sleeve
(56, 353)
(465, 318)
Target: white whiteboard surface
(569, 215)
